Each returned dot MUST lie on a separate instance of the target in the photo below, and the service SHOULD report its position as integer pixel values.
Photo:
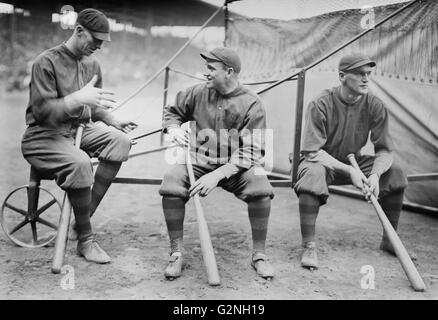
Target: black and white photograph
(236, 152)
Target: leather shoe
(174, 268)
(309, 258)
(90, 249)
(262, 266)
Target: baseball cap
(225, 55)
(355, 60)
(96, 22)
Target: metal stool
(13, 216)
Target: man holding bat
(338, 123)
(65, 90)
(226, 115)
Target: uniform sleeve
(314, 133)
(380, 137)
(251, 142)
(379, 127)
(44, 101)
(180, 111)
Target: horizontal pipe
(410, 206)
(125, 180)
(422, 177)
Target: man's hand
(95, 97)
(124, 125)
(358, 180)
(373, 182)
(206, 184)
(179, 136)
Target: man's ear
(79, 30)
(230, 71)
(341, 76)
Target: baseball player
(338, 122)
(219, 106)
(65, 90)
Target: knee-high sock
(105, 173)
(309, 208)
(80, 201)
(258, 213)
(392, 205)
(174, 212)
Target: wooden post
(298, 124)
(226, 17)
(12, 40)
(166, 86)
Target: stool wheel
(21, 207)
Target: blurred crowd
(128, 58)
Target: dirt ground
(130, 219)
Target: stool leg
(33, 193)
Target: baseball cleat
(174, 268)
(90, 249)
(261, 265)
(309, 257)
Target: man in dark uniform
(65, 90)
(338, 122)
(223, 110)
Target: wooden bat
(402, 255)
(204, 234)
(64, 220)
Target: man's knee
(122, 142)
(77, 174)
(256, 187)
(393, 180)
(312, 179)
(174, 183)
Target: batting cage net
(405, 78)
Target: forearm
(99, 114)
(58, 109)
(382, 163)
(327, 161)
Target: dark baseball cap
(225, 55)
(355, 60)
(96, 22)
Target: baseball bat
(64, 220)
(204, 235)
(402, 255)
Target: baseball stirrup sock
(392, 205)
(174, 212)
(258, 213)
(105, 173)
(309, 208)
(80, 201)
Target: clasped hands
(368, 186)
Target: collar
(70, 53)
(233, 93)
(347, 104)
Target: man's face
(88, 44)
(216, 75)
(356, 80)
